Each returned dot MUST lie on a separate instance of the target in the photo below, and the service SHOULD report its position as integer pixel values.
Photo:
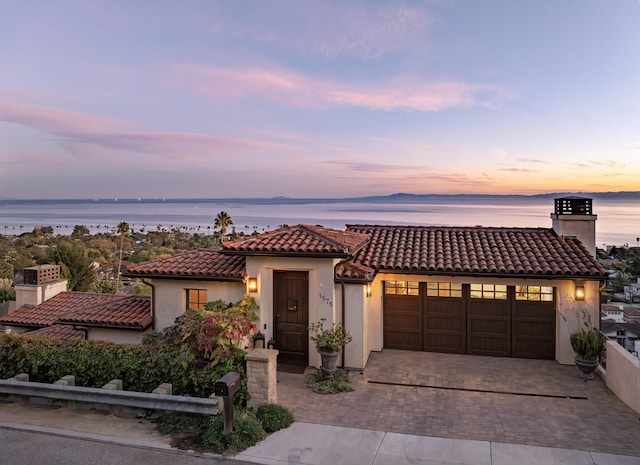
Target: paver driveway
(535, 402)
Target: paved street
(27, 448)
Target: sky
(346, 98)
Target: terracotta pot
(587, 367)
(329, 363)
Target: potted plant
(329, 342)
(588, 345)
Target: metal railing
(151, 401)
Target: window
(489, 291)
(444, 289)
(401, 288)
(196, 298)
(535, 293)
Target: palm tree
(223, 221)
(123, 230)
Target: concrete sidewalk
(306, 443)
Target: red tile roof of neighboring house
(201, 264)
(63, 332)
(133, 312)
(475, 250)
(301, 240)
(113, 310)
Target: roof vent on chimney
(41, 274)
(573, 206)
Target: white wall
(581, 226)
(623, 375)
(35, 294)
(117, 336)
(169, 297)
(322, 293)
(357, 323)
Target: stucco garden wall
(117, 336)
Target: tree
(123, 230)
(79, 231)
(76, 266)
(223, 221)
(6, 270)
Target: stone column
(261, 377)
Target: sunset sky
(317, 98)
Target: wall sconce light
(368, 289)
(580, 293)
(253, 284)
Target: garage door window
(489, 291)
(535, 293)
(401, 288)
(444, 289)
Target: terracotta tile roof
(475, 250)
(85, 308)
(131, 312)
(349, 271)
(62, 332)
(202, 264)
(300, 240)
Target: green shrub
(247, 432)
(274, 417)
(340, 382)
(141, 367)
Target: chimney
(40, 283)
(573, 216)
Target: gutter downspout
(84, 329)
(153, 303)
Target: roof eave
(491, 275)
(185, 277)
(80, 325)
(289, 254)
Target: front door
(291, 316)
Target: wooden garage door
(476, 319)
(534, 323)
(488, 320)
(402, 316)
(444, 328)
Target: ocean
(618, 218)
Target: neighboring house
(514, 292)
(46, 308)
(626, 334)
(632, 292)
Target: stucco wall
(357, 323)
(118, 336)
(170, 297)
(31, 294)
(581, 226)
(623, 375)
(322, 290)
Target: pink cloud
(80, 133)
(290, 88)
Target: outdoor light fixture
(368, 289)
(253, 284)
(580, 293)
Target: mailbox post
(226, 387)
